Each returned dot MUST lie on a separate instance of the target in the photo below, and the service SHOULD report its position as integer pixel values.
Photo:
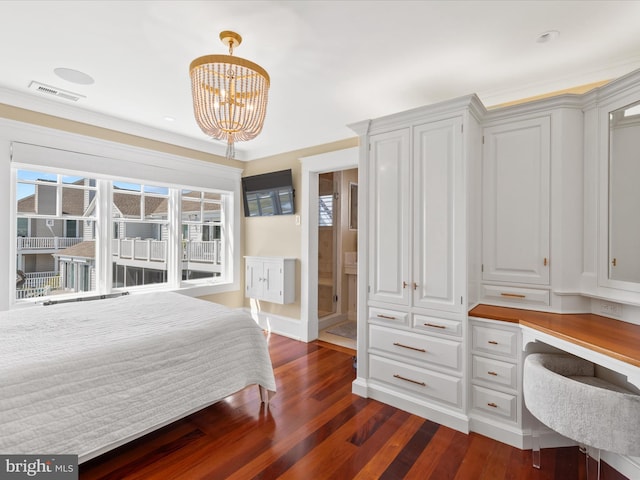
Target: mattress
(83, 377)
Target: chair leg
(535, 448)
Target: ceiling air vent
(56, 92)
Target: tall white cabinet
(412, 330)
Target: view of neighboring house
(58, 255)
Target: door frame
(312, 167)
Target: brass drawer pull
(410, 348)
(492, 342)
(492, 373)
(422, 384)
(386, 316)
(492, 405)
(513, 295)
(434, 325)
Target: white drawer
(495, 403)
(438, 386)
(495, 341)
(495, 371)
(437, 325)
(516, 295)
(389, 316)
(438, 351)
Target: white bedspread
(82, 377)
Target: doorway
(337, 254)
(312, 168)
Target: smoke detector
(55, 91)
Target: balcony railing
(202, 252)
(156, 250)
(138, 249)
(23, 293)
(47, 243)
(43, 279)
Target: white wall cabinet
(271, 279)
(516, 196)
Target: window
(325, 213)
(23, 227)
(202, 235)
(140, 234)
(57, 217)
(52, 210)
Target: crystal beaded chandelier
(229, 95)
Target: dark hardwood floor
(316, 429)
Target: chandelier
(229, 95)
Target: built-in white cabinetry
(271, 279)
(496, 380)
(415, 166)
(510, 207)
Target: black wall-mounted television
(268, 194)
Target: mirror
(624, 194)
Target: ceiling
(331, 63)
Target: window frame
(69, 153)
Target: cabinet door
(253, 279)
(272, 283)
(389, 217)
(437, 233)
(516, 162)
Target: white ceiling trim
(59, 108)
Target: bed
(85, 377)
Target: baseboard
(285, 326)
(514, 435)
(359, 387)
(437, 413)
(498, 431)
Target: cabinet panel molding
(516, 202)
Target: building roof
(86, 249)
(128, 204)
(72, 201)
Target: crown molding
(74, 113)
